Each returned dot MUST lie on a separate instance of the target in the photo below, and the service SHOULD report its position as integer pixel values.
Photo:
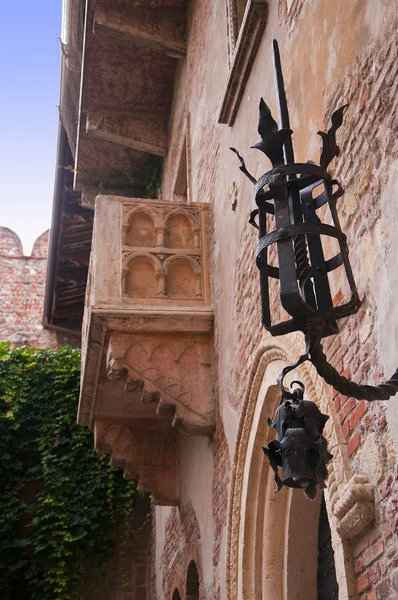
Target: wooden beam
(161, 30)
(144, 132)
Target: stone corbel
(160, 30)
(146, 455)
(351, 496)
(355, 507)
(144, 132)
(172, 371)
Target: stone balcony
(147, 337)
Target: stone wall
(182, 546)
(22, 285)
(327, 63)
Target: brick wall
(127, 576)
(22, 285)
(182, 545)
(221, 480)
(370, 145)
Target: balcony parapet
(147, 358)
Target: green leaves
(60, 502)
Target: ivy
(152, 177)
(144, 184)
(60, 503)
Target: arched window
(192, 590)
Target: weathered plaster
(162, 514)
(386, 274)
(196, 465)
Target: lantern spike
(283, 110)
(272, 140)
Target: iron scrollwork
(289, 196)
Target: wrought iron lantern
(294, 199)
(301, 450)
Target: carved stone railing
(147, 337)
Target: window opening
(192, 592)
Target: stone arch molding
(183, 258)
(263, 527)
(142, 208)
(131, 256)
(180, 211)
(162, 266)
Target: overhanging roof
(117, 80)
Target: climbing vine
(60, 503)
(144, 184)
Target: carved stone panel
(147, 455)
(174, 372)
(149, 254)
(163, 252)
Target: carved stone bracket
(355, 508)
(172, 372)
(147, 455)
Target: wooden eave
(126, 79)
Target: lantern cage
(289, 195)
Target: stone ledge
(149, 456)
(251, 31)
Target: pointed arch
(192, 583)
(273, 538)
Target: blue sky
(29, 94)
